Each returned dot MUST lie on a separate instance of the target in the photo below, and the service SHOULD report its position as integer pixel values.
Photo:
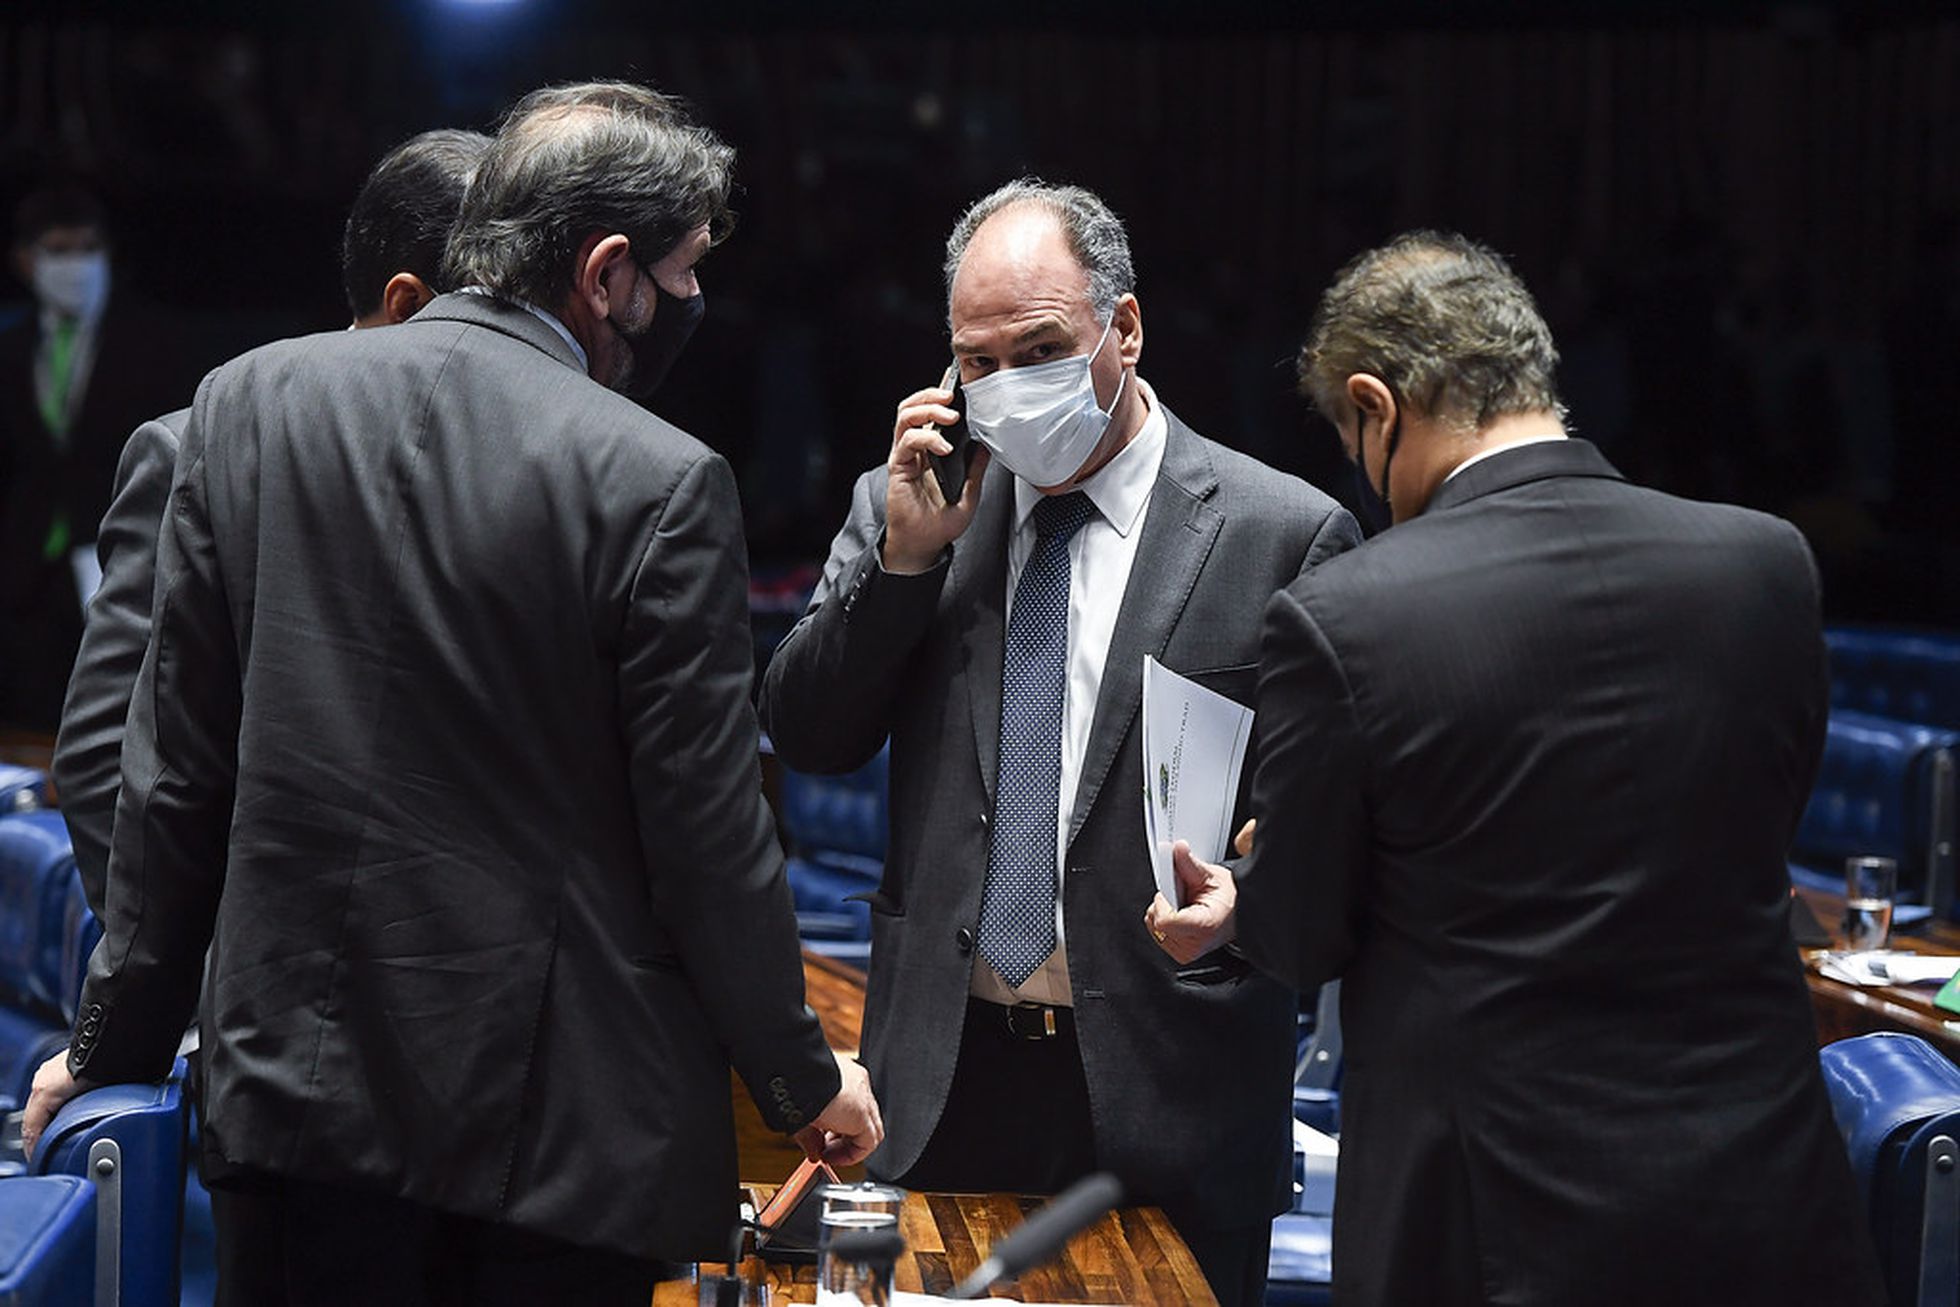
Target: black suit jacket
(144, 365)
(443, 741)
(1531, 765)
(1189, 1069)
(88, 753)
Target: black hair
(402, 217)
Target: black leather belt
(1028, 1020)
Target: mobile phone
(951, 468)
(786, 1229)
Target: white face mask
(1043, 421)
(75, 284)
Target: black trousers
(1017, 1120)
(289, 1243)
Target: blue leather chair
(1897, 1103)
(836, 829)
(130, 1141)
(1886, 788)
(1300, 1267)
(37, 875)
(1317, 1073)
(22, 789)
(47, 1242)
(1904, 675)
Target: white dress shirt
(1099, 556)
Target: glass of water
(1869, 885)
(855, 1209)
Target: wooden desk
(1843, 1010)
(1132, 1255)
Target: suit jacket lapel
(979, 572)
(1178, 532)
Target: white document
(1194, 743)
(1879, 967)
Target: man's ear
(1127, 321)
(403, 297)
(1372, 399)
(597, 276)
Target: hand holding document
(1194, 743)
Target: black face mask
(656, 348)
(1376, 513)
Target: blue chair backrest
(1912, 677)
(139, 1131)
(37, 866)
(838, 814)
(26, 1041)
(1897, 1103)
(1884, 788)
(22, 789)
(47, 1241)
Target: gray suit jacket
(88, 754)
(1189, 1069)
(443, 743)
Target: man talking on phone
(1032, 1014)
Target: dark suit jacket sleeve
(173, 812)
(831, 688)
(685, 667)
(88, 755)
(1301, 891)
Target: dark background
(1742, 220)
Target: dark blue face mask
(1376, 513)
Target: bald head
(1093, 235)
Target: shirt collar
(1121, 487)
(1483, 454)
(545, 316)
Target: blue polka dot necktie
(1017, 904)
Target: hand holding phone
(950, 469)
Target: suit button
(964, 938)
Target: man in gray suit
(1022, 1024)
(442, 744)
(390, 266)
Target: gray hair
(1095, 236)
(572, 160)
(1445, 324)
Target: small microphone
(1042, 1235)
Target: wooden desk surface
(1132, 1255)
(1845, 1010)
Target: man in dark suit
(443, 745)
(1531, 761)
(1024, 1032)
(76, 376)
(391, 259)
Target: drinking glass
(1869, 884)
(854, 1207)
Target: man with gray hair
(442, 744)
(1531, 763)
(1032, 1014)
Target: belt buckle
(1043, 1029)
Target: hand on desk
(1206, 920)
(850, 1128)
